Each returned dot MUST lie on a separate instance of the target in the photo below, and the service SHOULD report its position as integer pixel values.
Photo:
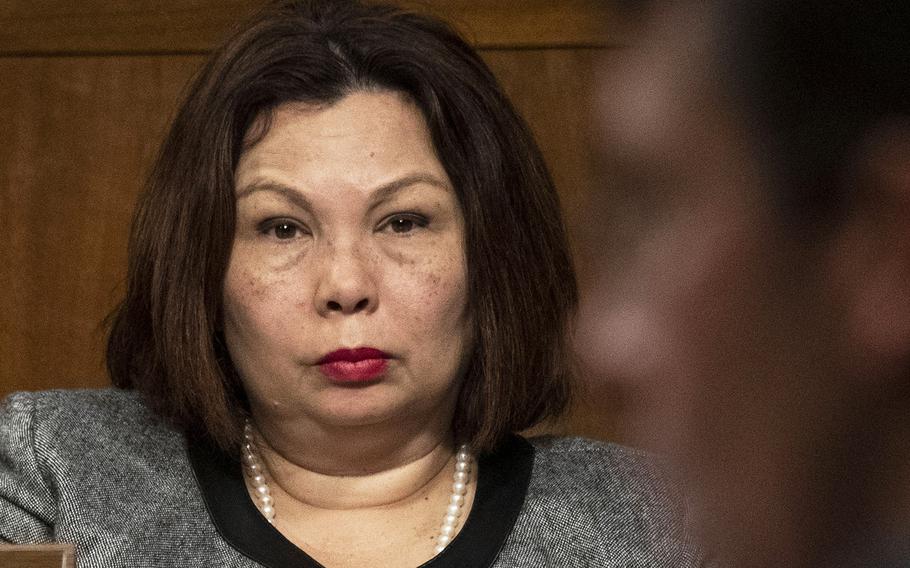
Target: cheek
(432, 291)
(255, 302)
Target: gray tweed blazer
(96, 468)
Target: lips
(359, 365)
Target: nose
(346, 283)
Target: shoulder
(67, 414)
(572, 453)
(60, 423)
(597, 503)
(96, 468)
(65, 404)
(51, 445)
(599, 468)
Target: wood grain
(78, 136)
(196, 26)
(37, 556)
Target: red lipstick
(359, 365)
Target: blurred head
(297, 61)
(754, 303)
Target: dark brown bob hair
(165, 338)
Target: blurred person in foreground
(756, 299)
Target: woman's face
(349, 238)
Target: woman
(348, 287)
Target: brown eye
(282, 229)
(404, 224)
(286, 230)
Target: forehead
(362, 136)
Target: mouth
(350, 366)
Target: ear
(874, 247)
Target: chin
(356, 411)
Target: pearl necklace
(254, 470)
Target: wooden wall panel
(553, 91)
(549, 87)
(79, 132)
(170, 26)
(78, 135)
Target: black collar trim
(501, 490)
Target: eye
(282, 229)
(402, 225)
(405, 223)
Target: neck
(357, 469)
(322, 445)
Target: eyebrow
(377, 196)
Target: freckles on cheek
(249, 300)
(428, 288)
(445, 293)
(240, 293)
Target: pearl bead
(447, 530)
(443, 539)
(457, 500)
(461, 477)
(258, 479)
(266, 500)
(450, 520)
(262, 490)
(462, 466)
(255, 468)
(459, 488)
(453, 510)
